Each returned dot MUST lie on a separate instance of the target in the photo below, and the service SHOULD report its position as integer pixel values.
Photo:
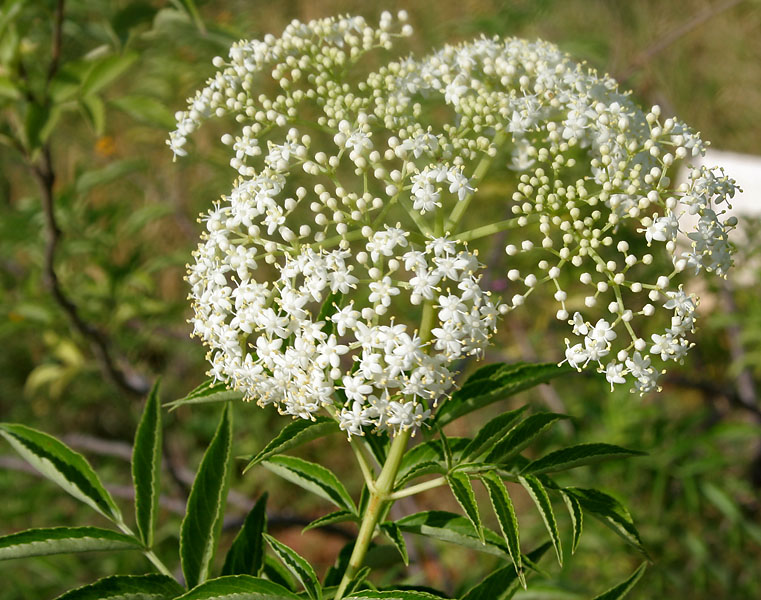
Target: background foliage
(127, 220)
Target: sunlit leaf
(495, 382)
(462, 490)
(63, 540)
(59, 463)
(312, 477)
(238, 587)
(146, 467)
(200, 528)
(127, 587)
(297, 565)
(539, 495)
(508, 522)
(297, 432)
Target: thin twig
(45, 174)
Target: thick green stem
(379, 498)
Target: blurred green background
(127, 217)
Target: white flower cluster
(337, 276)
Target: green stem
(489, 229)
(421, 487)
(147, 552)
(459, 210)
(379, 498)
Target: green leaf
(424, 468)
(503, 583)
(393, 533)
(336, 571)
(521, 436)
(577, 517)
(200, 528)
(246, 554)
(393, 595)
(274, 571)
(146, 467)
(146, 109)
(297, 565)
(339, 516)
(127, 587)
(297, 432)
(312, 477)
(495, 382)
(62, 540)
(429, 451)
(359, 578)
(492, 432)
(95, 112)
(576, 456)
(328, 307)
(238, 587)
(611, 512)
(508, 522)
(462, 490)
(622, 589)
(39, 122)
(105, 70)
(8, 89)
(446, 449)
(111, 172)
(539, 495)
(208, 391)
(59, 463)
(378, 443)
(449, 527)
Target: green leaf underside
(539, 495)
(492, 432)
(496, 382)
(146, 467)
(504, 582)
(312, 477)
(208, 391)
(577, 517)
(622, 589)
(62, 540)
(449, 527)
(61, 464)
(609, 511)
(462, 490)
(127, 587)
(294, 434)
(521, 436)
(508, 522)
(200, 528)
(246, 553)
(297, 565)
(238, 587)
(576, 456)
(339, 516)
(393, 533)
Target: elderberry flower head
(337, 275)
